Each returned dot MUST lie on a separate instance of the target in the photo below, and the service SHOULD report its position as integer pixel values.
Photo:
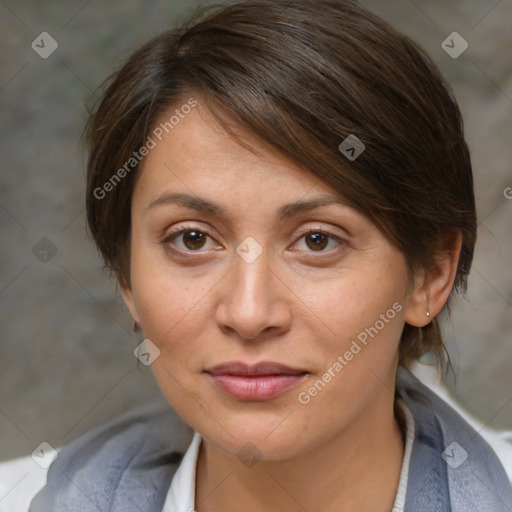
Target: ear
(127, 294)
(433, 286)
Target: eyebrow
(201, 204)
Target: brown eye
(316, 240)
(192, 240)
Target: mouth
(253, 383)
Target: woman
(285, 195)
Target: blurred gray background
(67, 344)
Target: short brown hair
(302, 76)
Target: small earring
(428, 313)
(136, 327)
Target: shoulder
(450, 459)
(499, 440)
(126, 463)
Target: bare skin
(298, 303)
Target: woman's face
(251, 279)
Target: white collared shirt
(22, 478)
(181, 495)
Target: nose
(254, 302)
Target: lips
(258, 382)
(255, 370)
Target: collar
(127, 464)
(181, 495)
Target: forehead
(197, 156)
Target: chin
(254, 449)
(256, 438)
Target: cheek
(361, 323)
(173, 309)
(356, 307)
(359, 352)
(170, 314)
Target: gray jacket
(127, 464)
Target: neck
(357, 469)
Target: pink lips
(258, 382)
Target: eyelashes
(198, 235)
(194, 239)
